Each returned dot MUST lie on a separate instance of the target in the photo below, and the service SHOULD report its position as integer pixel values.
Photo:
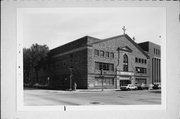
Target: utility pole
(70, 79)
(101, 75)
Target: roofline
(124, 35)
(69, 43)
(107, 39)
(137, 46)
(111, 38)
(150, 42)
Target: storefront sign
(125, 73)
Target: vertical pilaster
(159, 70)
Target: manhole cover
(95, 102)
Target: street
(39, 97)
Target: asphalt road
(33, 97)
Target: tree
(32, 57)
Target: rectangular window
(141, 70)
(141, 81)
(96, 65)
(100, 66)
(145, 61)
(107, 54)
(102, 53)
(98, 82)
(111, 55)
(156, 51)
(106, 81)
(125, 67)
(136, 59)
(142, 60)
(96, 52)
(104, 66)
(111, 67)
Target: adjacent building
(95, 63)
(154, 53)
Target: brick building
(121, 60)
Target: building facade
(94, 63)
(154, 52)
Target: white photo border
(20, 100)
(12, 106)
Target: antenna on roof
(124, 29)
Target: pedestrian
(75, 86)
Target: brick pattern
(82, 62)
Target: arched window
(125, 62)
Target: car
(138, 86)
(144, 86)
(129, 87)
(155, 86)
(132, 87)
(36, 85)
(159, 86)
(124, 87)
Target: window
(136, 59)
(125, 62)
(111, 67)
(96, 52)
(145, 70)
(111, 55)
(107, 54)
(141, 81)
(102, 53)
(141, 70)
(104, 66)
(96, 65)
(156, 51)
(100, 66)
(106, 81)
(142, 60)
(139, 60)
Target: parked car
(138, 86)
(132, 87)
(129, 87)
(124, 87)
(155, 86)
(159, 86)
(144, 86)
(36, 85)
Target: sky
(58, 26)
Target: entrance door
(124, 82)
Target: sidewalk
(95, 90)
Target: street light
(101, 75)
